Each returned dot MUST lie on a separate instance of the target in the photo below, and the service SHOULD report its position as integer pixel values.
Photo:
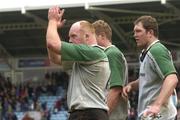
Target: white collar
(109, 46)
(98, 46)
(94, 45)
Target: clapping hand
(55, 14)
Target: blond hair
(87, 26)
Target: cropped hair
(149, 23)
(87, 26)
(102, 26)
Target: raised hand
(55, 14)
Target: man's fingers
(126, 91)
(61, 23)
(55, 13)
(125, 95)
(145, 114)
(61, 13)
(149, 112)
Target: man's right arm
(134, 85)
(53, 57)
(53, 40)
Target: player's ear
(86, 36)
(103, 34)
(151, 31)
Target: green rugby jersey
(89, 76)
(155, 66)
(118, 77)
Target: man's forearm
(113, 98)
(134, 84)
(167, 89)
(52, 38)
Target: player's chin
(138, 44)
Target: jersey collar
(154, 42)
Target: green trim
(163, 59)
(117, 66)
(81, 52)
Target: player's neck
(107, 44)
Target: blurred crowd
(25, 97)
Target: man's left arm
(113, 97)
(167, 89)
(168, 74)
(117, 79)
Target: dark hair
(102, 26)
(149, 23)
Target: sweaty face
(75, 35)
(140, 35)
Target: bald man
(90, 67)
